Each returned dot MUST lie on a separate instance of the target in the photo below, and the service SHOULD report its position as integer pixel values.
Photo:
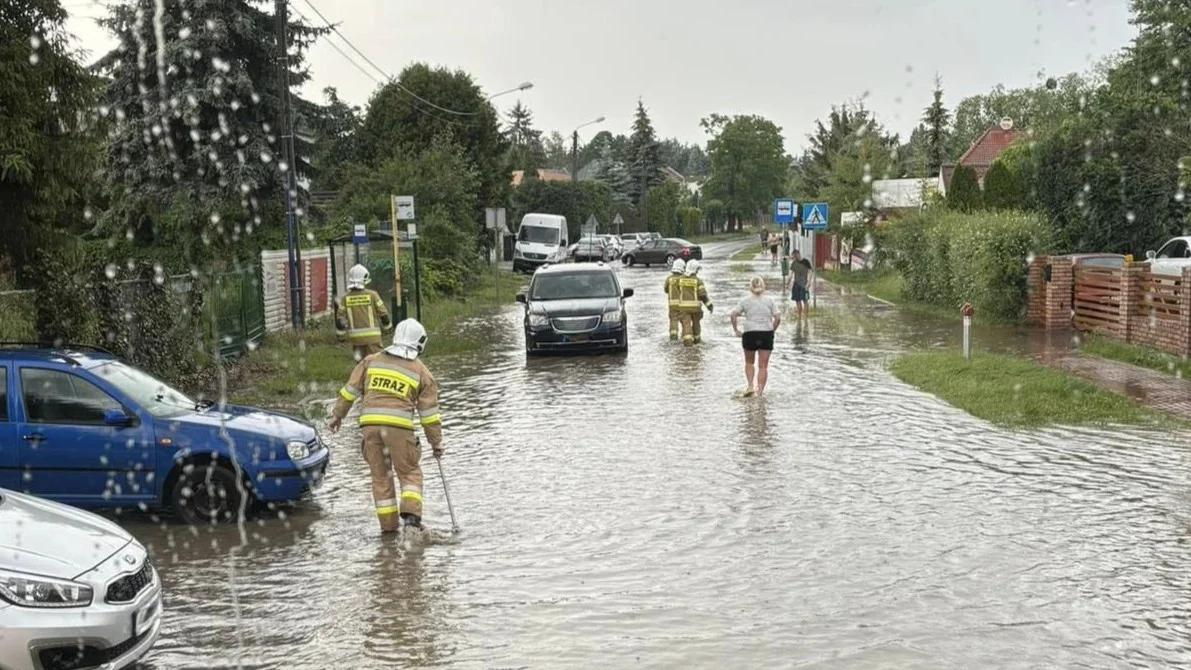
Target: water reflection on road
(630, 511)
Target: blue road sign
(783, 210)
(359, 234)
(814, 216)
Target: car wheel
(624, 348)
(670, 259)
(206, 494)
(629, 260)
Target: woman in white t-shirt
(761, 319)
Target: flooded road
(631, 512)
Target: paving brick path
(1152, 388)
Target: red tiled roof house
(983, 152)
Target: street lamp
(523, 87)
(575, 148)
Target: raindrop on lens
(110, 271)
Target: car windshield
(573, 285)
(154, 395)
(592, 241)
(538, 235)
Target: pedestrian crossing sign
(814, 216)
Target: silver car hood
(53, 540)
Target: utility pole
(575, 155)
(285, 133)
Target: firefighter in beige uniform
(360, 315)
(394, 385)
(692, 296)
(671, 288)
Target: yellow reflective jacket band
(349, 393)
(378, 416)
(673, 287)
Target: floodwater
(632, 512)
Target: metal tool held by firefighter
(447, 493)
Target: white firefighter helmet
(409, 339)
(358, 277)
(678, 266)
(692, 267)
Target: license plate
(148, 615)
(577, 338)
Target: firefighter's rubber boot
(408, 519)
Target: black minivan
(575, 307)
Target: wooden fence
(1096, 301)
(1130, 303)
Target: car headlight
(31, 591)
(297, 450)
(613, 317)
(538, 320)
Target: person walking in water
(696, 317)
(774, 242)
(801, 276)
(392, 386)
(671, 288)
(360, 315)
(761, 320)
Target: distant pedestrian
(761, 320)
(764, 236)
(801, 276)
(774, 242)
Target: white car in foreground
(76, 591)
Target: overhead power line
(373, 77)
(391, 78)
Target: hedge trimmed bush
(947, 258)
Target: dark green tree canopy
(748, 163)
(1001, 188)
(644, 155)
(194, 152)
(48, 146)
(397, 122)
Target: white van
(541, 239)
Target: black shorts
(757, 340)
(799, 294)
(773, 249)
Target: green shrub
(1002, 189)
(947, 258)
(963, 193)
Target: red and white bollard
(966, 310)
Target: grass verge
(290, 367)
(1145, 357)
(883, 284)
(723, 237)
(1016, 392)
(748, 253)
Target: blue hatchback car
(81, 427)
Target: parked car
(661, 251)
(81, 427)
(591, 249)
(1172, 257)
(76, 590)
(615, 246)
(575, 308)
(631, 241)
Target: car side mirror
(628, 293)
(1151, 255)
(521, 298)
(116, 417)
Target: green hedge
(947, 258)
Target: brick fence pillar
(1058, 293)
(1184, 339)
(1130, 306)
(1036, 291)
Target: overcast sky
(788, 60)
